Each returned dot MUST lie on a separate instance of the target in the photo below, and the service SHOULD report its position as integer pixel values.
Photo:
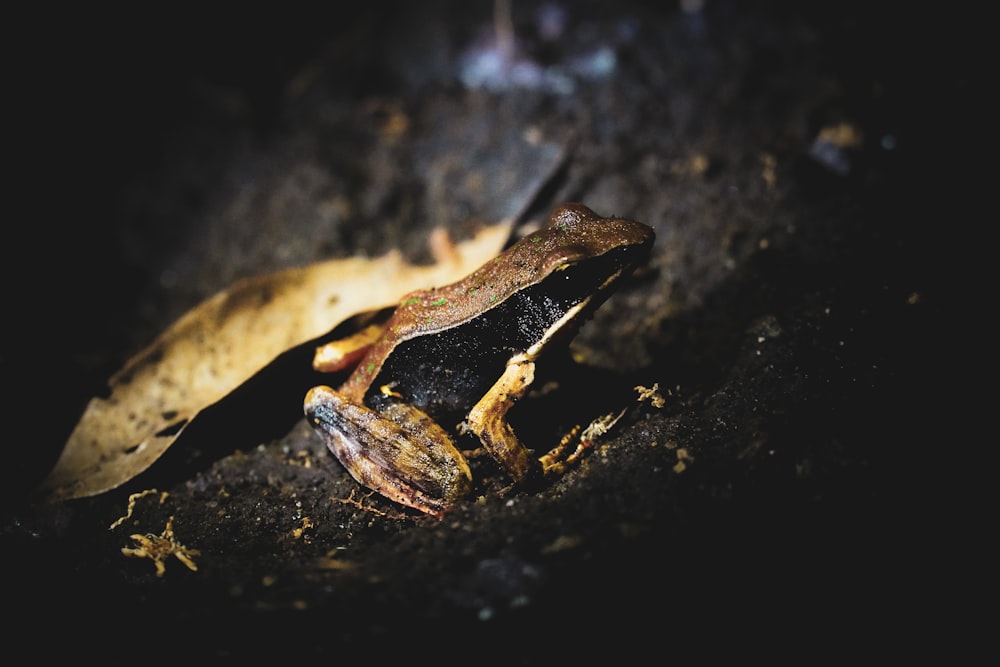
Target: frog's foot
(345, 353)
(556, 461)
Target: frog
(468, 351)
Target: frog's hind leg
(400, 453)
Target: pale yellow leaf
(224, 341)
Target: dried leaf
(223, 342)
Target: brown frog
(468, 350)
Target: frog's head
(577, 261)
(575, 236)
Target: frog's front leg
(488, 419)
(399, 452)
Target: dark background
(157, 158)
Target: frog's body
(469, 350)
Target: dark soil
(796, 165)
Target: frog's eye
(564, 257)
(556, 261)
(567, 217)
